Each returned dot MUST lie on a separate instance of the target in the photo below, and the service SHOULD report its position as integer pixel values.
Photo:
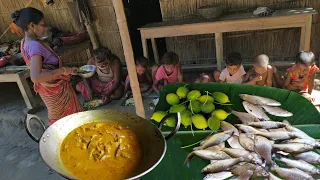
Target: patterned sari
(58, 94)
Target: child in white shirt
(234, 71)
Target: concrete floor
(19, 155)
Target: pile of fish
(255, 148)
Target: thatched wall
(280, 44)
(59, 16)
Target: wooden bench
(288, 18)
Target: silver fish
(273, 177)
(278, 130)
(293, 147)
(216, 139)
(234, 142)
(291, 173)
(247, 129)
(258, 100)
(207, 154)
(235, 153)
(218, 176)
(221, 165)
(216, 147)
(276, 111)
(277, 135)
(263, 130)
(255, 110)
(225, 126)
(260, 172)
(246, 142)
(267, 124)
(311, 142)
(263, 147)
(242, 168)
(245, 176)
(245, 117)
(310, 157)
(298, 132)
(302, 165)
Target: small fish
(276, 111)
(246, 142)
(207, 154)
(245, 117)
(267, 124)
(258, 100)
(293, 147)
(298, 132)
(273, 177)
(245, 176)
(311, 142)
(263, 147)
(242, 168)
(278, 130)
(235, 153)
(247, 129)
(218, 176)
(310, 157)
(300, 164)
(260, 172)
(216, 139)
(218, 147)
(234, 142)
(277, 135)
(291, 173)
(225, 126)
(255, 110)
(221, 165)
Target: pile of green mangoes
(195, 108)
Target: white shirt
(236, 78)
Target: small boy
(263, 74)
(234, 71)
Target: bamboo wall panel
(279, 44)
(59, 16)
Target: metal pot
(152, 141)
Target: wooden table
(289, 18)
(19, 74)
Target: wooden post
(155, 50)
(128, 53)
(144, 46)
(305, 36)
(219, 50)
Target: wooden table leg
(26, 92)
(155, 51)
(219, 50)
(305, 36)
(144, 46)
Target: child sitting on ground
(234, 71)
(300, 77)
(263, 74)
(144, 77)
(168, 73)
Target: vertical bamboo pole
(128, 53)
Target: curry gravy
(106, 150)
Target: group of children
(108, 83)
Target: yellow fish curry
(105, 150)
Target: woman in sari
(51, 80)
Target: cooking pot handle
(176, 127)
(27, 124)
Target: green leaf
(303, 111)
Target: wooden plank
(25, 90)
(226, 26)
(155, 51)
(219, 50)
(305, 37)
(144, 46)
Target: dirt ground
(19, 156)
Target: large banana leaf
(303, 111)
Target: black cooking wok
(153, 142)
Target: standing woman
(50, 79)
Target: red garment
(301, 83)
(98, 87)
(58, 94)
(162, 75)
